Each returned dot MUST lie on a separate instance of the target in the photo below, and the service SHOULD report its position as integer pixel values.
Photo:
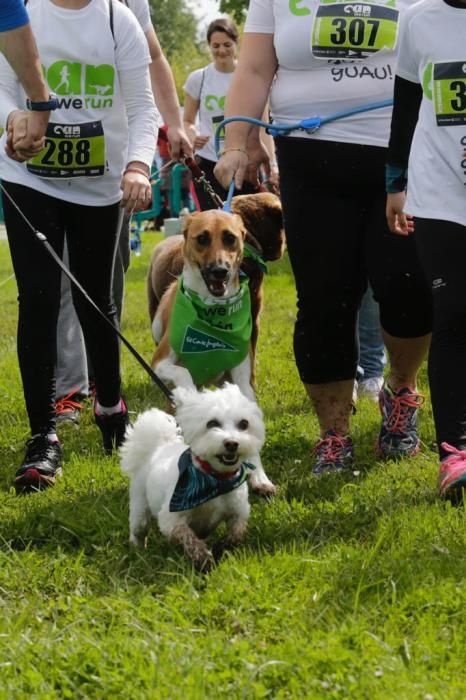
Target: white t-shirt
(141, 10)
(209, 86)
(433, 53)
(332, 56)
(87, 139)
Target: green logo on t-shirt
(93, 84)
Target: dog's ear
(185, 223)
(182, 396)
(240, 225)
(262, 216)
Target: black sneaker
(113, 428)
(41, 465)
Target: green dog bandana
(210, 337)
(194, 487)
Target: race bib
(353, 30)
(449, 92)
(71, 150)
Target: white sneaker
(370, 388)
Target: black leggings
(92, 234)
(205, 201)
(333, 197)
(442, 251)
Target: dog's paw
(204, 563)
(265, 489)
(137, 541)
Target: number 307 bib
(353, 30)
(71, 150)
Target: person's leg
(92, 234)
(323, 223)
(406, 319)
(122, 261)
(372, 358)
(442, 248)
(38, 280)
(72, 381)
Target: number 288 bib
(353, 30)
(71, 150)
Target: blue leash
(309, 125)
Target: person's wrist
(138, 166)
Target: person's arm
(190, 110)
(26, 130)
(142, 134)
(163, 87)
(406, 104)
(247, 96)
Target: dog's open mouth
(217, 287)
(229, 460)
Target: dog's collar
(208, 469)
(196, 486)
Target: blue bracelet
(396, 179)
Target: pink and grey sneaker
(452, 475)
(398, 436)
(334, 453)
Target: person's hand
(200, 141)
(137, 192)
(398, 222)
(232, 164)
(180, 144)
(25, 134)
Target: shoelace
(401, 412)
(331, 448)
(456, 455)
(67, 403)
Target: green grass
(346, 587)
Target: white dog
(192, 484)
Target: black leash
(42, 239)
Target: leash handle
(227, 203)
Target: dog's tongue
(217, 287)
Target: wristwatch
(50, 104)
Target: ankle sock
(109, 410)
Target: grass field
(347, 587)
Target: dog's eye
(203, 239)
(229, 238)
(243, 424)
(213, 424)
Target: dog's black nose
(231, 445)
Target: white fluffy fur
(150, 455)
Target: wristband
(240, 150)
(396, 179)
(136, 170)
(48, 105)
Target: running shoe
(398, 436)
(334, 453)
(68, 408)
(113, 428)
(371, 388)
(452, 475)
(41, 465)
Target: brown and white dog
(209, 255)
